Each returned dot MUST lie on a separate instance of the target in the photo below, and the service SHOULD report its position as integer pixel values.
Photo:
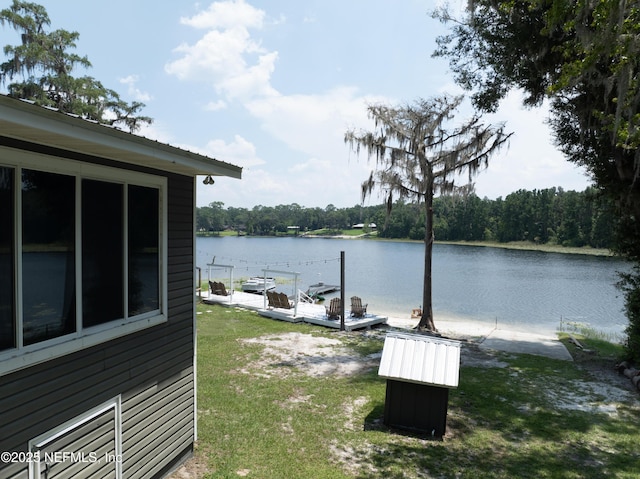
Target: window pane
(144, 260)
(7, 291)
(102, 252)
(48, 255)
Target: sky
(273, 85)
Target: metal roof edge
(420, 359)
(77, 134)
(423, 337)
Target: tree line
(548, 216)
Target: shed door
(86, 447)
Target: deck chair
(333, 310)
(357, 309)
(274, 299)
(218, 288)
(213, 286)
(284, 301)
(222, 289)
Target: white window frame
(38, 443)
(24, 356)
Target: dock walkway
(301, 312)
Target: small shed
(419, 370)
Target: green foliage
(40, 69)
(630, 284)
(274, 220)
(584, 58)
(551, 216)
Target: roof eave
(24, 121)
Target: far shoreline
(514, 245)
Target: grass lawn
(265, 416)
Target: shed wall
(152, 370)
(415, 407)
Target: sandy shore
(448, 326)
(494, 336)
(467, 326)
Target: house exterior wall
(149, 373)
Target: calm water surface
(521, 289)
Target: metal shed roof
(421, 359)
(22, 120)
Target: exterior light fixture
(208, 180)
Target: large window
(80, 253)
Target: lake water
(520, 289)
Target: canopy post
(341, 290)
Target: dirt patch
(605, 392)
(316, 356)
(191, 469)
(471, 355)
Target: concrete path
(525, 343)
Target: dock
(301, 311)
(322, 288)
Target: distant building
(97, 298)
(362, 226)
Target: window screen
(102, 252)
(48, 255)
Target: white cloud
(250, 81)
(227, 15)
(258, 186)
(216, 105)
(157, 131)
(307, 161)
(531, 161)
(240, 151)
(313, 124)
(311, 166)
(226, 56)
(133, 90)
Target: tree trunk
(426, 320)
(632, 373)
